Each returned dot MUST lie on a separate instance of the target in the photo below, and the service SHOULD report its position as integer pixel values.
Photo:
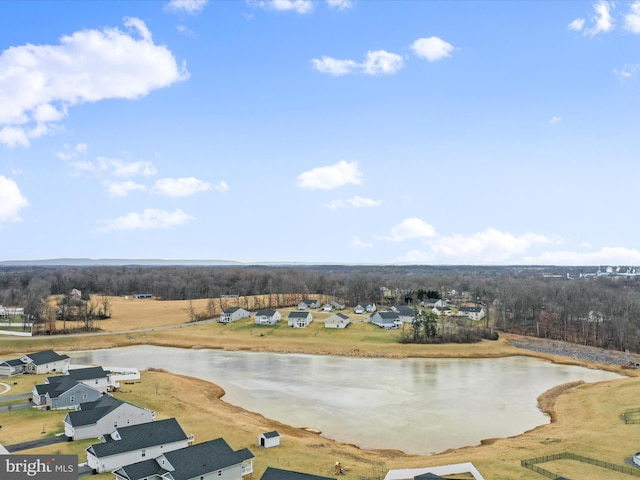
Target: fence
(531, 464)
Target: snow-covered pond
(419, 406)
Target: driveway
(41, 442)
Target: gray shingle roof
(91, 412)
(232, 309)
(135, 437)
(88, 373)
(299, 314)
(266, 312)
(278, 474)
(271, 434)
(46, 356)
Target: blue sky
(420, 132)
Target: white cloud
(356, 242)
(409, 229)
(628, 71)
(112, 167)
(11, 200)
(354, 202)
(192, 7)
(180, 187)
(40, 82)
(632, 19)
(601, 19)
(331, 176)
(376, 62)
(577, 24)
(122, 189)
(334, 67)
(340, 4)
(298, 6)
(432, 48)
(221, 186)
(150, 218)
(604, 256)
(555, 120)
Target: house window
(219, 473)
(84, 396)
(72, 398)
(144, 453)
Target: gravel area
(578, 352)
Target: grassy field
(586, 417)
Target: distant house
(386, 320)
(63, 392)
(446, 311)
(308, 303)
(328, 307)
(272, 473)
(94, 377)
(136, 443)
(300, 319)
(208, 460)
(98, 418)
(267, 317)
(12, 367)
(433, 302)
(407, 314)
(474, 313)
(46, 361)
(337, 320)
(269, 439)
(363, 307)
(142, 296)
(232, 314)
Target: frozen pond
(419, 406)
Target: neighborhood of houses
(388, 318)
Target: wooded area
(597, 311)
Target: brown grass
(585, 417)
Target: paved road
(10, 398)
(41, 442)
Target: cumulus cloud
(601, 20)
(354, 202)
(555, 120)
(122, 189)
(432, 49)
(298, 6)
(40, 82)
(180, 187)
(150, 218)
(356, 242)
(632, 19)
(604, 256)
(192, 7)
(410, 229)
(11, 200)
(72, 152)
(112, 167)
(577, 24)
(340, 4)
(378, 62)
(628, 71)
(331, 176)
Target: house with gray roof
(474, 313)
(14, 366)
(94, 377)
(386, 320)
(306, 303)
(212, 459)
(46, 361)
(136, 443)
(406, 313)
(272, 473)
(363, 307)
(300, 319)
(267, 317)
(63, 392)
(337, 320)
(100, 417)
(233, 314)
(329, 307)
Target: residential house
(363, 307)
(407, 314)
(269, 439)
(268, 317)
(232, 314)
(433, 302)
(46, 361)
(308, 303)
(300, 319)
(337, 320)
(12, 367)
(446, 311)
(94, 377)
(474, 313)
(386, 320)
(94, 419)
(208, 460)
(63, 392)
(136, 443)
(272, 473)
(328, 307)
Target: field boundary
(531, 464)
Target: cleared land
(586, 417)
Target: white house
(407, 314)
(363, 307)
(446, 311)
(267, 317)
(233, 314)
(46, 361)
(98, 418)
(300, 319)
(14, 366)
(210, 460)
(308, 303)
(136, 443)
(328, 307)
(386, 320)
(269, 439)
(337, 320)
(94, 377)
(474, 313)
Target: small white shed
(269, 439)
